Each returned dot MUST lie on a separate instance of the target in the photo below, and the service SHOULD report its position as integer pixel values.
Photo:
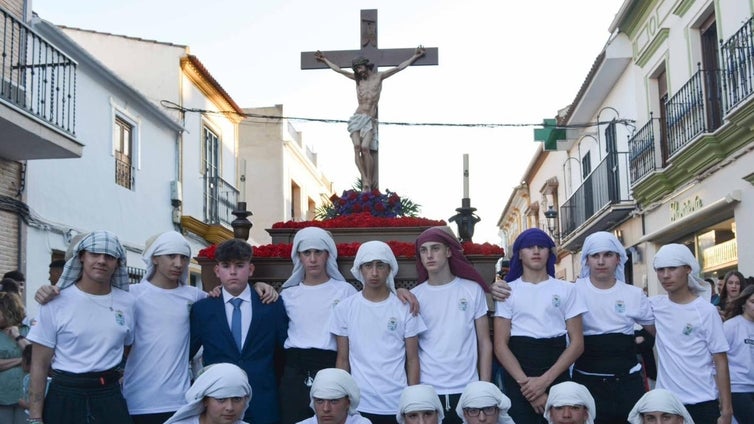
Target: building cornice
(193, 68)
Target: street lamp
(552, 221)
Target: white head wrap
(602, 241)
(570, 393)
(673, 255)
(659, 400)
(420, 397)
(312, 238)
(375, 251)
(169, 243)
(220, 380)
(96, 242)
(335, 383)
(481, 394)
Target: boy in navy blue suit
(238, 328)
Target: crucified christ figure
(363, 124)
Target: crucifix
(363, 124)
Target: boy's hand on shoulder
(266, 292)
(46, 293)
(406, 296)
(216, 292)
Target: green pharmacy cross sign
(550, 133)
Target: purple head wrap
(529, 238)
(459, 265)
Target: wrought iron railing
(686, 117)
(135, 274)
(641, 151)
(737, 55)
(220, 199)
(36, 77)
(124, 173)
(607, 184)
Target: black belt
(87, 379)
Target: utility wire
(170, 105)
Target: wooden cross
(379, 57)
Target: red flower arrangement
(400, 250)
(362, 220)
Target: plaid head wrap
(459, 265)
(335, 383)
(219, 381)
(602, 241)
(673, 255)
(169, 243)
(659, 400)
(375, 251)
(96, 242)
(570, 393)
(530, 238)
(313, 238)
(481, 394)
(419, 397)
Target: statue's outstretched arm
(322, 58)
(405, 64)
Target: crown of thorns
(361, 61)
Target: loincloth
(364, 124)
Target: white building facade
(658, 142)
(121, 183)
(283, 181)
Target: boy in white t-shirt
(82, 336)
(456, 348)
(531, 327)
(309, 295)
(377, 335)
(608, 367)
(691, 345)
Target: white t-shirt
(613, 310)
(351, 419)
(448, 350)
(309, 309)
(740, 335)
(86, 331)
(157, 369)
(687, 336)
(377, 333)
(540, 310)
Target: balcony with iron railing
(603, 198)
(220, 200)
(699, 108)
(641, 150)
(737, 58)
(687, 112)
(36, 77)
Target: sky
(500, 61)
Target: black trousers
(157, 418)
(743, 407)
(379, 419)
(535, 356)
(301, 365)
(89, 398)
(704, 412)
(613, 396)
